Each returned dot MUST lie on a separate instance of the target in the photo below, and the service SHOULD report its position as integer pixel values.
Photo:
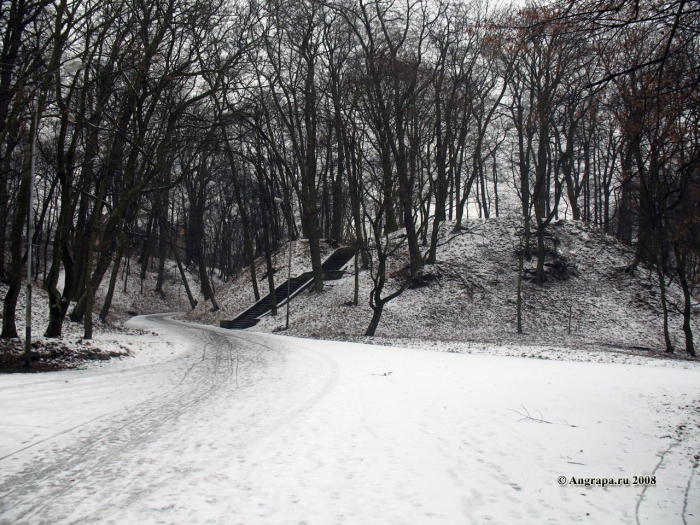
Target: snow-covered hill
(236, 295)
(588, 303)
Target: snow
(471, 298)
(448, 416)
(215, 426)
(110, 340)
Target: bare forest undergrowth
(131, 297)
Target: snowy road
(254, 428)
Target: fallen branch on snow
(527, 416)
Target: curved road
(255, 428)
(103, 465)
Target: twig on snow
(527, 416)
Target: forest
(210, 131)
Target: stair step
(250, 317)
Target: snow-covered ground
(238, 427)
(110, 340)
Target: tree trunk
(525, 248)
(309, 197)
(9, 328)
(266, 247)
(162, 205)
(90, 286)
(664, 308)
(113, 277)
(207, 291)
(146, 250)
(539, 272)
(59, 302)
(247, 237)
(441, 181)
(356, 295)
(687, 301)
(406, 197)
(337, 196)
(624, 213)
(374, 323)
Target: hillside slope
(469, 296)
(236, 295)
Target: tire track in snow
(33, 495)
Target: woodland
(209, 131)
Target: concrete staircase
(333, 268)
